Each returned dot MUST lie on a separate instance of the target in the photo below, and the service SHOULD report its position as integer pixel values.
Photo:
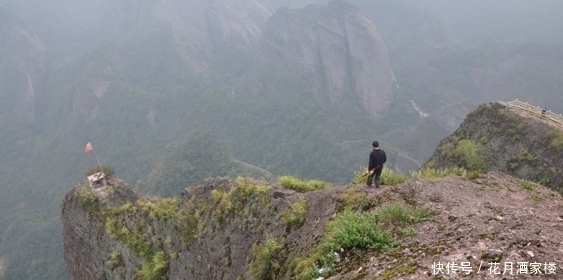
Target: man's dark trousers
(375, 176)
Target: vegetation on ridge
(434, 173)
(137, 225)
(496, 138)
(109, 171)
(555, 139)
(349, 230)
(466, 153)
(388, 177)
(140, 223)
(295, 215)
(267, 259)
(297, 184)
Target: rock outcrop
(214, 231)
(333, 49)
(495, 138)
(246, 229)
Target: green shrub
(555, 139)
(348, 230)
(398, 214)
(524, 155)
(473, 174)
(111, 227)
(175, 256)
(351, 230)
(447, 149)
(296, 214)
(88, 200)
(354, 230)
(297, 184)
(115, 260)
(154, 267)
(351, 198)
(466, 153)
(433, 173)
(525, 184)
(164, 209)
(390, 177)
(544, 180)
(470, 154)
(521, 158)
(108, 170)
(265, 263)
(235, 200)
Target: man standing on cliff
(377, 158)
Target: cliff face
(494, 138)
(215, 231)
(200, 27)
(334, 48)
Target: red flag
(88, 148)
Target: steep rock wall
(214, 231)
(334, 48)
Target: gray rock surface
(339, 53)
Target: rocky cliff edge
(245, 229)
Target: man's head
(375, 144)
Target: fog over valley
(172, 92)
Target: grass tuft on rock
(433, 173)
(297, 184)
(295, 215)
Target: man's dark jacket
(376, 159)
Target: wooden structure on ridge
(547, 116)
